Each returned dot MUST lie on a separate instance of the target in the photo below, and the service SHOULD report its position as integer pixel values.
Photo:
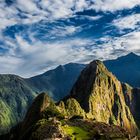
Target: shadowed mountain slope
(15, 98)
(57, 82)
(100, 95)
(126, 69)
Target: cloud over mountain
(36, 35)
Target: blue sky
(38, 35)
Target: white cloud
(114, 5)
(61, 52)
(63, 31)
(131, 41)
(29, 59)
(88, 17)
(128, 22)
(123, 45)
(49, 10)
(63, 8)
(27, 5)
(93, 17)
(56, 9)
(9, 64)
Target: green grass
(76, 133)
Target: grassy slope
(77, 133)
(15, 97)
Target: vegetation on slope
(97, 95)
(15, 98)
(44, 120)
(100, 95)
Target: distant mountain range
(16, 93)
(95, 109)
(56, 82)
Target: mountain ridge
(57, 83)
(15, 97)
(98, 89)
(96, 99)
(125, 66)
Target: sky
(38, 35)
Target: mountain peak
(132, 54)
(88, 78)
(60, 68)
(128, 57)
(97, 64)
(41, 102)
(98, 90)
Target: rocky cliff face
(100, 95)
(44, 120)
(132, 98)
(42, 106)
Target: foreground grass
(76, 132)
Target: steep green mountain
(15, 97)
(57, 82)
(96, 108)
(44, 120)
(17, 93)
(100, 95)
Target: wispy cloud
(43, 56)
(34, 11)
(37, 57)
(54, 33)
(117, 46)
(128, 22)
(114, 5)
